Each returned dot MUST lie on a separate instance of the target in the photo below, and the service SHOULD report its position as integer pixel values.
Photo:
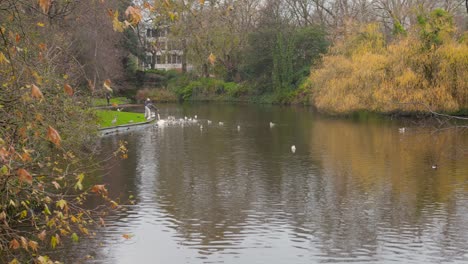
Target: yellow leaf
(202, 2)
(61, 204)
(53, 136)
(14, 261)
(2, 216)
(24, 176)
(68, 89)
(107, 85)
(3, 59)
(212, 58)
(116, 24)
(45, 5)
(36, 92)
(40, 24)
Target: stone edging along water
(121, 128)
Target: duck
(434, 166)
(293, 148)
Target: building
(163, 53)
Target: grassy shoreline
(108, 118)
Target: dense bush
(426, 68)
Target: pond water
(355, 190)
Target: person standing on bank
(108, 97)
(148, 106)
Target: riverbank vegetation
(422, 68)
(381, 57)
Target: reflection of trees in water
(353, 189)
(379, 183)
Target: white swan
(293, 149)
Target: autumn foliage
(46, 132)
(426, 69)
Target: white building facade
(163, 53)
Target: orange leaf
(202, 2)
(102, 222)
(56, 185)
(24, 242)
(18, 38)
(36, 92)
(24, 176)
(127, 236)
(26, 157)
(33, 245)
(68, 89)
(14, 244)
(42, 46)
(53, 136)
(99, 188)
(134, 14)
(147, 5)
(115, 104)
(42, 235)
(45, 5)
(90, 85)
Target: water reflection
(354, 191)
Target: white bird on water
(402, 130)
(209, 122)
(221, 123)
(201, 127)
(238, 128)
(195, 116)
(272, 124)
(293, 149)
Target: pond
(355, 190)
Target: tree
(46, 131)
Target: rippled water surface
(356, 190)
